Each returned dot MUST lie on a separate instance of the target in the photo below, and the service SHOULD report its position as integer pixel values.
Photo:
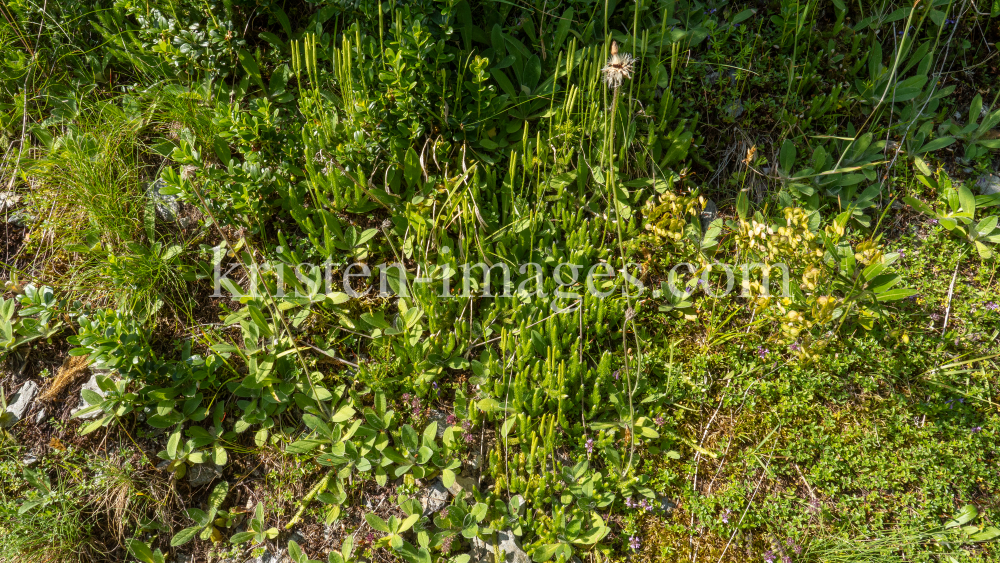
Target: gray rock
(475, 462)
(19, 403)
(203, 474)
(463, 483)
(441, 418)
(29, 461)
(989, 184)
(505, 548)
(266, 557)
(666, 504)
(734, 109)
(708, 215)
(434, 498)
(167, 206)
(93, 386)
(40, 417)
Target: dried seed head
(619, 67)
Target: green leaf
(967, 514)
(410, 438)
(986, 535)
(975, 109)
(376, 522)
(545, 552)
(895, 294)
(94, 425)
(936, 144)
(92, 397)
(343, 414)
(742, 204)
(532, 73)
(253, 69)
(217, 497)
(447, 478)
(743, 15)
(984, 251)
(562, 29)
(786, 158)
(222, 150)
(968, 201)
(986, 226)
(918, 205)
(184, 536)
(241, 537)
(143, 553)
(411, 168)
(408, 523)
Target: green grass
(844, 422)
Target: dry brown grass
(73, 367)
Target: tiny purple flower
(629, 503)
(634, 543)
(933, 221)
(992, 306)
(660, 420)
(977, 429)
(589, 445)
(444, 512)
(769, 556)
(725, 516)
(762, 352)
(452, 420)
(794, 347)
(798, 550)
(616, 375)
(786, 559)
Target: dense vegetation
(239, 319)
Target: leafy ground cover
(240, 317)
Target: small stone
(989, 184)
(93, 386)
(29, 461)
(203, 474)
(19, 403)
(442, 419)
(708, 215)
(475, 461)
(505, 548)
(40, 417)
(266, 557)
(666, 504)
(167, 206)
(463, 483)
(734, 109)
(434, 498)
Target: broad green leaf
(184, 536)
(378, 523)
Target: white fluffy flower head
(619, 67)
